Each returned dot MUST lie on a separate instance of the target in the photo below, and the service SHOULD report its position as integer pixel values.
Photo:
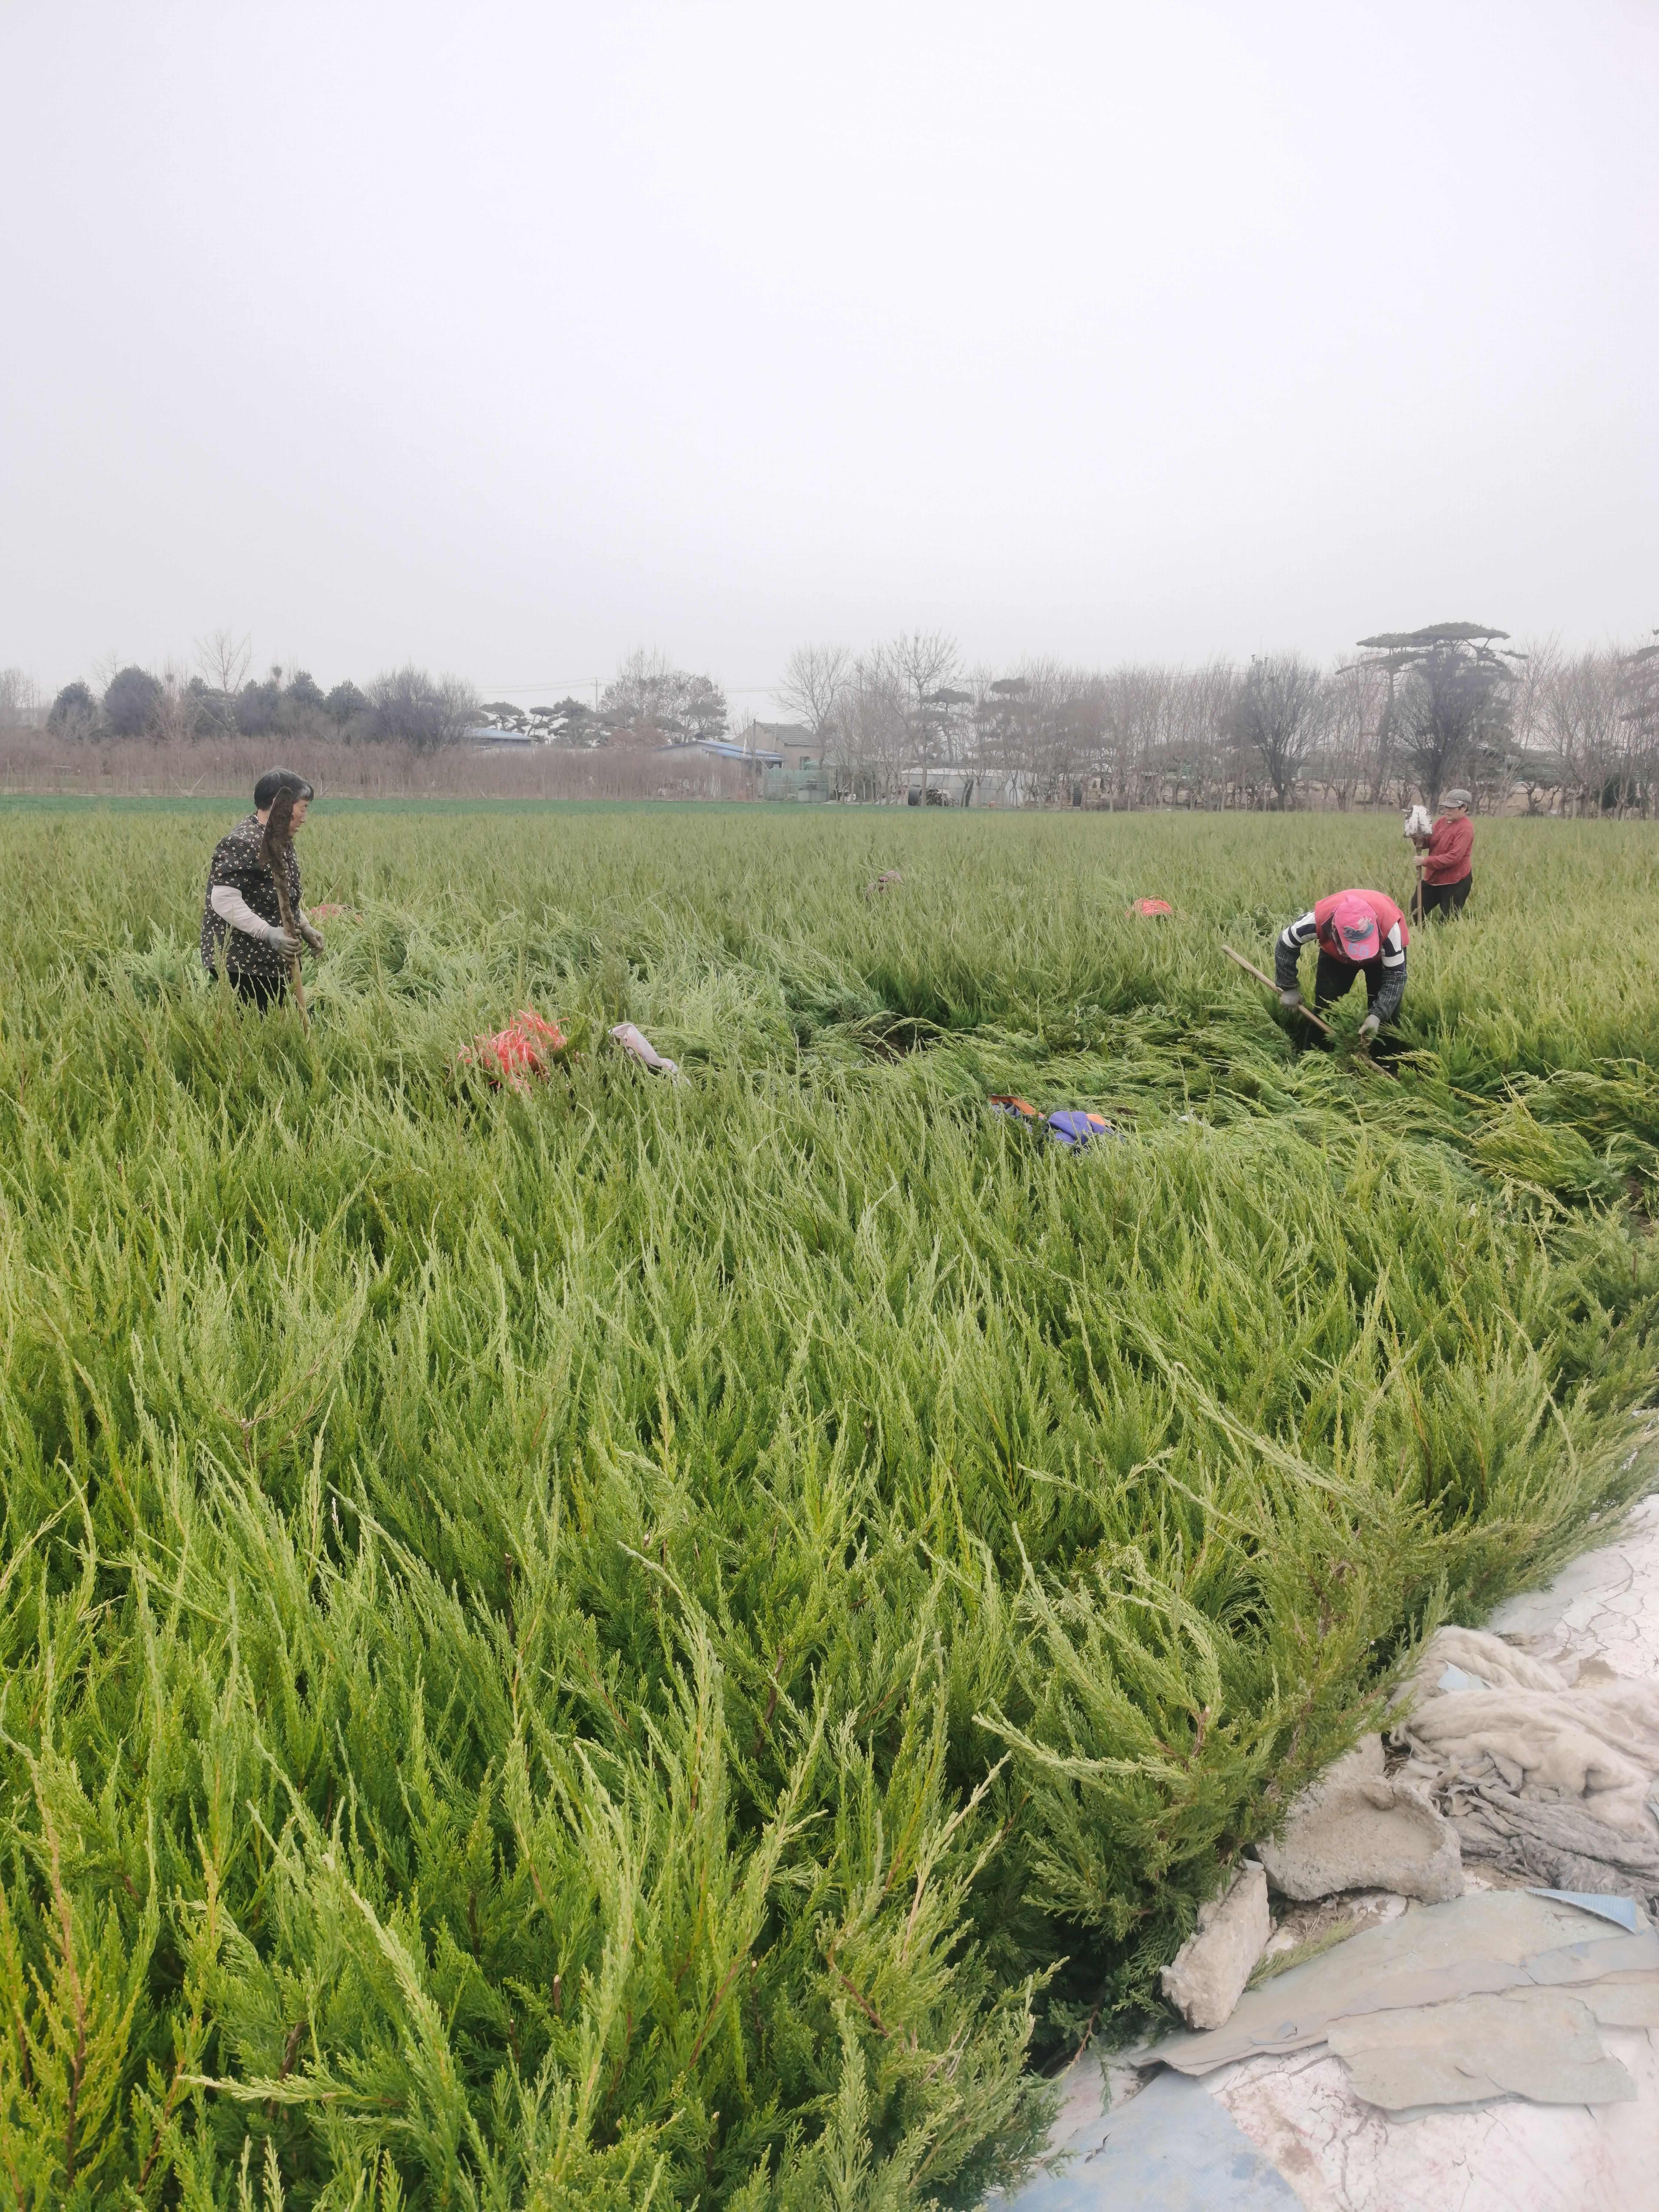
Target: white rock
(1207, 1977)
(1355, 1829)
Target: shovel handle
(1306, 1013)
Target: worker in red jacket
(1358, 933)
(1443, 879)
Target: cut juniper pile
(680, 1643)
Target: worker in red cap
(1359, 933)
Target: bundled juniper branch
(277, 851)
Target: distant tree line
(649, 702)
(220, 698)
(1408, 714)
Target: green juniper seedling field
(679, 1644)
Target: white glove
(635, 1042)
(1369, 1027)
(1290, 1000)
(311, 934)
(230, 906)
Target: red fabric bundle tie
(513, 1055)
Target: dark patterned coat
(236, 862)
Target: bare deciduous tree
(872, 734)
(637, 696)
(649, 700)
(1281, 708)
(179, 710)
(814, 678)
(20, 700)
(926, 661)
(1638, 673)
(222, 662)
(1350, 755)
(1576, 714)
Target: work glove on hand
(279, 939)
(313, 936)
(1369, 1027)
(1290, 1000)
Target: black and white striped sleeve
(1291, 939)
(1386, 1005)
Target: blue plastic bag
(1074, 1128)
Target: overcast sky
(507, 338)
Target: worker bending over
(241, 915)
(1444, 878)
(1357, 933)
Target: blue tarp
(1173, 2148)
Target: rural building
(795, 745)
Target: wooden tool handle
(1306, 1013)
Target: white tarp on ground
(1586, 1749)
(1501, 1942)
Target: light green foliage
(671, 1644)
